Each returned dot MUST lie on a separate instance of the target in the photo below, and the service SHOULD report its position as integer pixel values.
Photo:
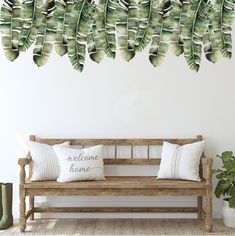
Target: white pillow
(181, 162)
(45, 163)
(80, 164)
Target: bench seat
(118, 186)
(120, 182)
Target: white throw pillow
(181, 162)
(45, 162)
(80, 164)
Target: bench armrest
(206, 161)
(22, 163)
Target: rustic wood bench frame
(200, 189)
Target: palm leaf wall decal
(224, 11)
(177, 12)
(95, 46)
(73, 26)
(80, 24)
(105, 21)
(31, 10)
(195, 27)
(211, 48)
(127, 26)
(146, 9)
(45, 35)
(63, 9)
(11, 24)
(183, 20)
(162, 33)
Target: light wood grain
(116, 209)
(46, 227)
(124, 227)
(120, 182)
(121, 142)
(66, 227)
(85, 227)
(105, 227)
(142, 227)
(119, 227)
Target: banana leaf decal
(45, 35)
(224, 11)
(183, 20)
(63, 9)
(127, 26)
(31, 21)
(179, 12)
(95, 47)
(162, 33)
(80, 24)
(195, 27)
(146, 9)
(211, 48)
(176, 43)
(105, 21)
(11, 24)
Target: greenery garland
(74, 27)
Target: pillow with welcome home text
(80, 164)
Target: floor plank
(104, 227)
(31, 227)
(142, 227)
(124, 227)
(66, 226)
(46, 227)
(85, 227)
(119, 227)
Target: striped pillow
(181, 162)
(45, 162)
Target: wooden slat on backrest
(113, 142)
(121, 142)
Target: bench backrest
(116, 143)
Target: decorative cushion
(80, 164)
(181, 162)
(45, 163)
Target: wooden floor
(118, 227)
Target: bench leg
(199, 207)
(31, 206)
(22, 220)
(209, 210)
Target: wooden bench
(118, 185)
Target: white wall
(114, 99)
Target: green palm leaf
(179, 12)
(211, 48)
(105, 21)
(146, 9)
(63, 9)
(32, 19)
(127, 25)
(95, 47)
(79, 26)
(45, 35)
(11, 24)
(224, 11)
(183, 20)
(162, 33)
(195, 27)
